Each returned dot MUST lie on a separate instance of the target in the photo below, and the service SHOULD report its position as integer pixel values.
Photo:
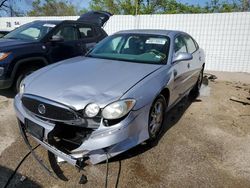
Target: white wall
(225, 37)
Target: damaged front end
(74, 138)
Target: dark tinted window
(68, 33)
(190, 44)
(179, 44)
(86, 31)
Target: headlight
(92, 110)
(22, 88)
(3, 55)
(118, 109)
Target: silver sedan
(98, 106)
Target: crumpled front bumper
(112, 140)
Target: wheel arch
(166, 94)
(32, 61)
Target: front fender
(149, 88)
(20, 62)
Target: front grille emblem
(41, 109)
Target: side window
(116, 42)
(113, 45)
(68, 33)
(190, 44)
(86, 31)
(179, 45)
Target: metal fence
(225, 37)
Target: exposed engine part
(67, 137)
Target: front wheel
(156, 117)
(20, 77)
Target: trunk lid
(96, 17)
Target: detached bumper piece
(36, 132)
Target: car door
(194, 64)
(69, 47)
(180, 69)
(88, 36)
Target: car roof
(56, 22)
(150, 31)
(50, 21)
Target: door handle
(200, 58)
(175, 73)
(188, 65)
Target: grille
(48, 109)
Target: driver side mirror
(182, 56)
(56, 38)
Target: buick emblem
(41, 109)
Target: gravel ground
(205, 144)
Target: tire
(194, 93)
(21, 75)
(155, 121)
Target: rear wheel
(194, 93)
(21, 75)
(156, 117)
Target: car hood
(6, 43)
(79, 81)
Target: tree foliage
(10, 8)
(133, 7)
(52, 8)
(167, 6)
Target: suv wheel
(21, 75)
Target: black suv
(2, 33)
(39, 43)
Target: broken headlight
(118, 109)
(92, 110)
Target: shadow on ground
(17, 181)
(9, 93)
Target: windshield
(33, 31)
(142, 48)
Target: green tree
(105, 5)
(167, 6)
(10, 8)
(52, 8)
(144, 7)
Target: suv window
(179, 44)
(190, 44)
(68, 33)
(86, 31)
